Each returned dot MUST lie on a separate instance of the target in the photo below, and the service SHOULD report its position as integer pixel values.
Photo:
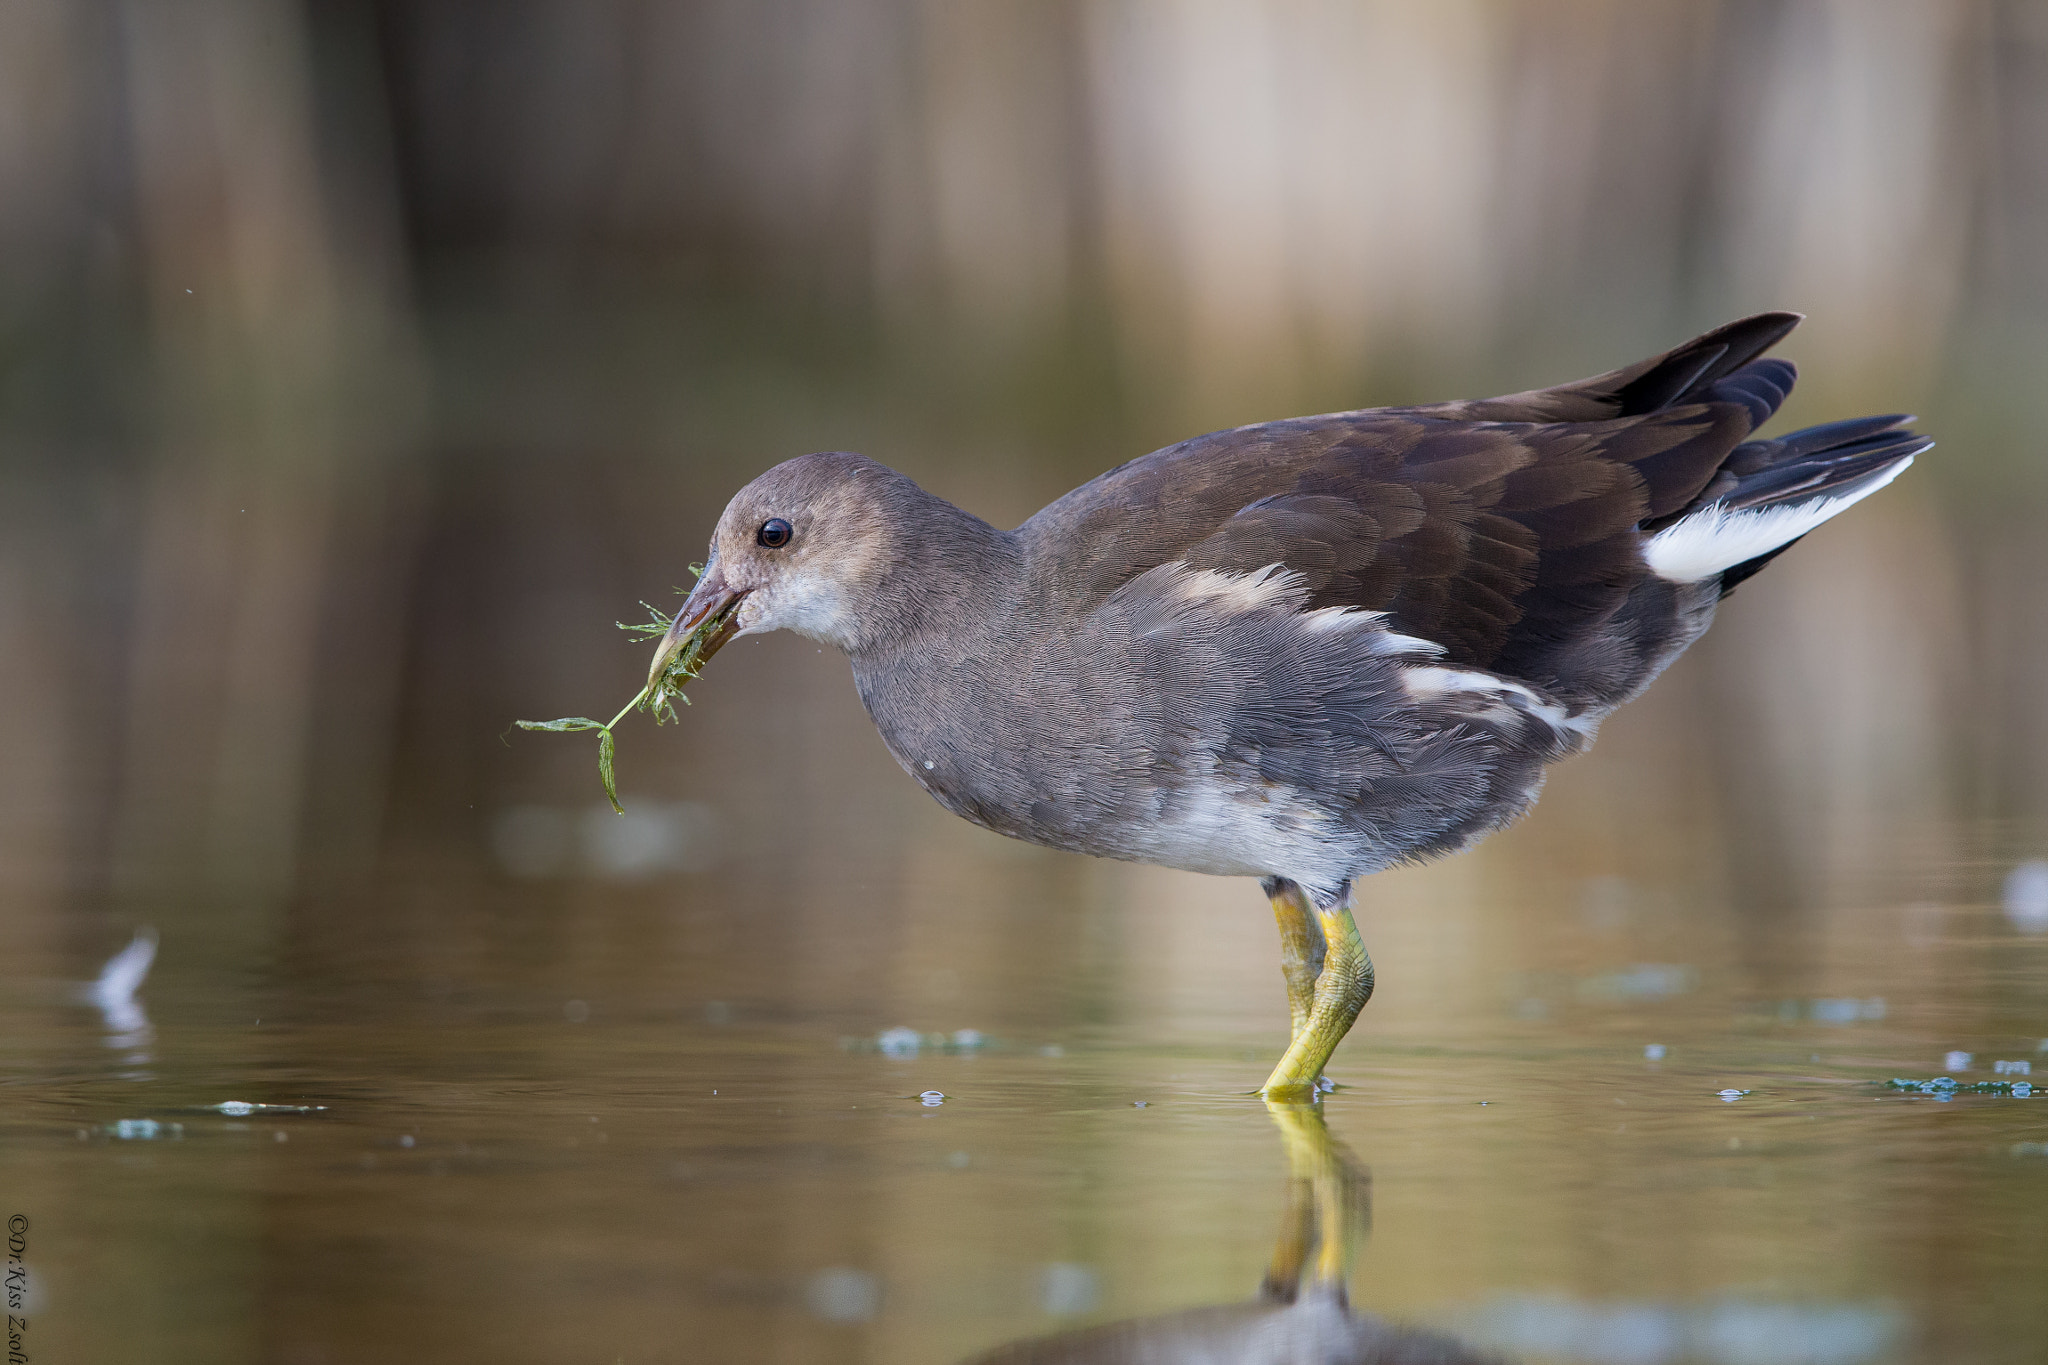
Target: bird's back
(1510, 531)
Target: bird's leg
(1301, 947)
(1341, 991)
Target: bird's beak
(709, 617)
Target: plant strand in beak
(679, 659)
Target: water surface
(932, 1107)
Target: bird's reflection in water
(1301, 1316)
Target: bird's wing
(1497, 528)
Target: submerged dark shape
(1316, 1329)
(1302, 650)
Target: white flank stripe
(1237, 592)
(1435, 681)
(1714, 539)
(1325, 619)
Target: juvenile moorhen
(1306, 649)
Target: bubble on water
(1139, 1104)
(406, 1141)
(898, 1041)
(236, 1107)
(1956, 1061)
(2022, 1089)
(932, 1097)
(967, 1039)
(1654, 1051)
(1730, 1096)
(651, 838)
(1066, 1289)
(843, 1295)
(2012, 1068)
(2026, 896)
(130, 1130)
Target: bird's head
(811, 546)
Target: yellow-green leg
(1341, 990)
(1301, 947)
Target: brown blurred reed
(360, 363)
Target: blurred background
(361, 363)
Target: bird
(1303, 650)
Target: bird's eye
(774, 533)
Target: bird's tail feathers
(1770, 493)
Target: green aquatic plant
(664, 688)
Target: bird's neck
(950, 576)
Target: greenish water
(662, 1120)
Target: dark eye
(774, 533)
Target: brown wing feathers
(1499, 528)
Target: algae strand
(658, 697)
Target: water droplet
(2026, 897)
(932, 1097)
(1066, 1289)
(843, 1295)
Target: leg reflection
(1302, 1315)
(1328, 1207)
